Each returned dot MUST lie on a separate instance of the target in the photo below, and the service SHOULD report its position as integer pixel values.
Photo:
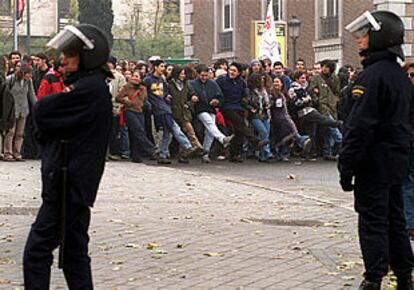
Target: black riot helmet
(88, 40)
(385, 30)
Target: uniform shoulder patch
(357, 91)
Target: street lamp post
(294, 28)
(16, 26)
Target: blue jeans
(300, 140)
(283, 151)
(167, 137)
(125, 149)
(408, 194)
(263, 128)
(333, 135)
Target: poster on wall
(258, 28)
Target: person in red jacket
(52, 82)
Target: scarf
(179, 84)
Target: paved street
(197, 226)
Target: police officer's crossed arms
(74, 128)
(374, 154)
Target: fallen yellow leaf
(117, 262)
(151, 246)
(214, 254)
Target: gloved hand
(345, 178)
(346, 182)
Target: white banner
(269, 47)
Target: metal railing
(328, 27)
(225, 41)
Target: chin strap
(364, 52)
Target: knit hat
(237, 65)
(255, 61)
(25, 67)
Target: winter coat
(234, 90)
(327, 95)
(82, 115)
(181, 104)
(23, 94)
(205, 92)
(115, 86)
(129, 90)
(258, 101)
(37, 78)
(296, 105)
(52, 83)
(377, 132)
(7, 113)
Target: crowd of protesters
(223, 111)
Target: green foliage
(99, 13)
(6, 41)
(73, 14)
(39, 44)
(153, 33)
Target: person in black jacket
(208, 93)
(73, 125)
(376, 146)
(234, 90)
(7, 112)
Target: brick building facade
(405, 9)
(48, 16)
(222, 28)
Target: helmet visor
(69, 38)
(363, 24)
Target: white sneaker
(205, 159)
(307, 146)
(221, 157)
(227, 141)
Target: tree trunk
(99, 13)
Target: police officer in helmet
(73, 127)
(374, 154)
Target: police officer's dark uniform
(375, 150)
(82, 116)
